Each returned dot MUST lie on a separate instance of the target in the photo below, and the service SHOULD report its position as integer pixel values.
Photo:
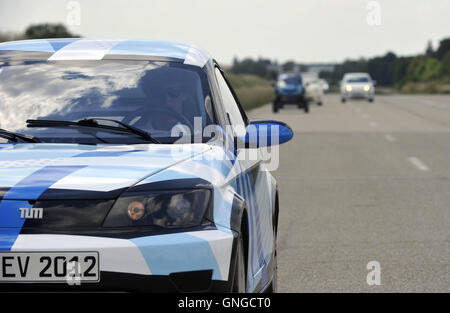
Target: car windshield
(361, 79)
(149, 95)
(292, 80)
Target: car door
(254, 184)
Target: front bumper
(358, 95)
(290, 99)
(194, 281)
(194, 261)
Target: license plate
(69, 267)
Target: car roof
(288, 75)
(95, 49)
(356, 74)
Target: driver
(175, 98)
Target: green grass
(441, 86)
(252, 91)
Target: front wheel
(306, 107)
(240, 272)
(275, 107)
(273, 288)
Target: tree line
(388, 70)
(39, 31)
(395, 71)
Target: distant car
(313, 88)
(324, 84)
(289, 89)
(357, 86)
(98, 193)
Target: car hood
(72, 171)
(291, 87)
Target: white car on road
(314, 87)
(357, 86)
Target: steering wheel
(149, 114)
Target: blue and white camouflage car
(120, 170)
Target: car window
(231, 108)
(291, 80)
(153, 96)
(361, 79)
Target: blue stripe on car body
(30, 188)
(79, 48)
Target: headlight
(281, 84)
(348, 88)
(166, 209)
(366, 88)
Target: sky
(307, 31)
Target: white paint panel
(92, 183)
(84, 49)
(196, 56)
(116, 255)
(221, 244)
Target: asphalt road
(365, 182)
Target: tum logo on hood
(31, 213)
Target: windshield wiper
(93, 122)
(14, 136)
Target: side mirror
(266, 133)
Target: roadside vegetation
(425, 73)
(252, 91)
(39, 31)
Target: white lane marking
(373, 124)
(389, 137)
(418, 163)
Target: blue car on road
(289, 89)
(124, 167)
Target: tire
(273, 288)
(343, 100)
(320, 103)
(371, 100)
(240, 272)
(306, 107)
(275, 106)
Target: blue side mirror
(265, 133)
